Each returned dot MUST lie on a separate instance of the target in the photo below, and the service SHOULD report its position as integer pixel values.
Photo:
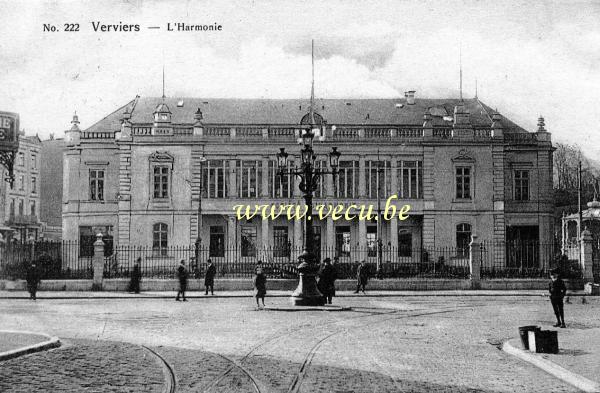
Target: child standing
(557, 291)
(260, 286)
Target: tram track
(168, 371)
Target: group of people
(209, 279)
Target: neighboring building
(51, 174)
(464, 169)
(22, 200)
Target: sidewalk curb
(169, 295)
(554, 369)
(52, 342)
(331, 308)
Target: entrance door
(522, 246)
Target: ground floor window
(248, 241)
(160, 239)
(342, 241)
(463, 238)
(281, 246)
(216, 242)
(371, 241)
(404, 243)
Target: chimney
(410, 97)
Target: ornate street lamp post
(307, 293)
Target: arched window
(463, 238)
(160, 238)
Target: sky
(529, 58)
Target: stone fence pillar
(586, 256)
(475, 262)
(98, 263)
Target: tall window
(160, 239)
(371, 241)
(410, 179)
(22, 182)
(161, 182)
(377, 176)
(32, 208)
(21, 159)
(521, 185)
(463, 238)
(463, 182)
(33, 185)
(21, 203)
(248, 241)
(346, 182)
(249, 177)
(12, 207)
(217, 241)
(215, 179)
(96, 185)
(280, 241)
(280, 186)
(33, 161)
(342, 241)
(404, 243)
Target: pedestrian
(260, 286)
(136, 277)
(33, 280)
(557, 290)
(362, 276)
(327, 278)
(182, 274)
(209, 278)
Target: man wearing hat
(557, 291)
(182, 274)
(327, 279)
(33, 279)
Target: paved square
(383, 344)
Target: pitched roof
(366, 112)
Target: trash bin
(524, 334)
(543, 341)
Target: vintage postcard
(301, 196)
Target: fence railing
(54, 260)
(73, 260)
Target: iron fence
(54, 260)
(526, 259)
(281, 262)
(68, 260)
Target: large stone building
(137, 174)
(51, 174)
(21, 202)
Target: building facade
(140, 174)
(22, 201)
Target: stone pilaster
(196, 186)
(362, 181)
(125, 193)
(233, 189)
(498, 181)
(264, 185)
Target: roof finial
(312, 86)
(541, 124)
(460, 68)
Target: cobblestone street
(383, 344)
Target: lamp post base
(307, 293)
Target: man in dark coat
(327, 278)
(362, 276)
(136, 277)
(182, 274)
(209, 277)
(557, 290)
(33, 279)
